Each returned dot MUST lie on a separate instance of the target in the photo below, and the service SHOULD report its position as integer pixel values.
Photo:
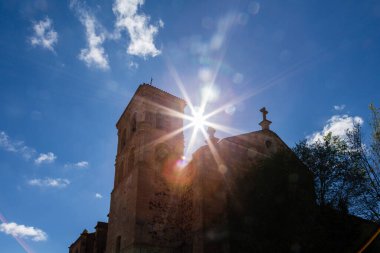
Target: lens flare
(210, 93)
(198, 118)
(181, 163)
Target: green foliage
(368, 158)
(375, 142)
(339, 182)
(346, 171)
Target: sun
(198, 119)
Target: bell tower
(149, 133)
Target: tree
(340, 182)
(368, 158)
(347, 170)
(373, 157)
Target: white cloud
(94, 55)
(45, 158)
(98, 195)
(337, 125)
(82, 164)
(339, 107)
(133, 65)
(15, 146)
(23, 231)
(141, 33)
(79, 165)
(49, 182)
(44, 34)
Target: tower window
(134, 123)
(149, 117)
(159, 120)
(118, 244)
(162, 121)
(123, 139)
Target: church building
(244, 193)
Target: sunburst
(199, 119)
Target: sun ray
(263, 86)
(199, 119)
(215, 74)
(213, 150)
(167, 136)
(225, 129)
(166, 110)
(181, 87)
(191, 141)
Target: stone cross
(265, 123)
(264, 112)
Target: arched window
(133, 123)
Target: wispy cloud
(19, 147)
(337, 125)
(339, 107)
(94, 55)
(26, 152)
(49, 182)
(98, 195)
(45, 158)
(44, 34)
(133, 65)
(79, 165)
(137, 25)
(22, 231)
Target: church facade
(231, 197)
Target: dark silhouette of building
(245, 193)
(91, 242)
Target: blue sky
(69, 68)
